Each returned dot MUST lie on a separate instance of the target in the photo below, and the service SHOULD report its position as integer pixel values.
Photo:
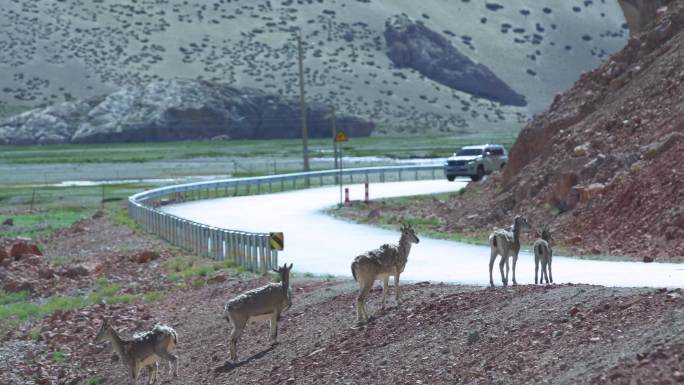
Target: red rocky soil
(603, 166)
(441, 334)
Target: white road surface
(319, 244)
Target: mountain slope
(603, 165)
(63, 50)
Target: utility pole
(334, 134)
(305, 130)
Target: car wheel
(450, 178)
(502, 166)
(480, 174)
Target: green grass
(393, 147)
(46, 198)
(9, 298)
(19, 307)
(58, 357)
(181, 269)
(35, 334)
(40, 223)
(92, 381)
(57, 260)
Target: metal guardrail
(252, 250)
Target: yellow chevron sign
(277, 241)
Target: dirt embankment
(603, 166)
(441, 334)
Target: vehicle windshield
(469, 152)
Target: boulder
(581, 150)
(591, 191)
(45, 273)
(145, 256)
(654, 150)
(8, 222)
(16, 285)
(411, 44)
(179, 109)
(74, 272)
(21, 249)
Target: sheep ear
(290, 268)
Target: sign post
(340, 137)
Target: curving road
(319, 244)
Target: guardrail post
(382, 176)
(416, 174)
(399, 175)
(274, 259)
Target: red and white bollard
(346, 195)
(366, 195)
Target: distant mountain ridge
(169, 110)
(54, 51)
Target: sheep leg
(274, 328)
(544, 276)
(152, 373)
(361, 314)
(170, 358)
(515, 261)
(385, 283)
(492, 258)
(504, 278)
(135, 372)
(550, 275)
(396, 288)
(536, 267)
(234, 337)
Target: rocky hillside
(440, 334)
(68, 50)
(173, 110)
(603, 166)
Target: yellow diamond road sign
(341, 137)
(277, 241)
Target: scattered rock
(581, 150)
(21, 249)
(17, 285)
(3, 254)
(218, 278)
(473, 337)
(98, 214)
(145, 256)
(374, 214)
(655, 149)
(591, 191)
(573, 311)
(74, 272)
(648, 259)
(45, 273)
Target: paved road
(319, 244)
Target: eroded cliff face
(639, 13)
(603, 166)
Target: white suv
(475, 161)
